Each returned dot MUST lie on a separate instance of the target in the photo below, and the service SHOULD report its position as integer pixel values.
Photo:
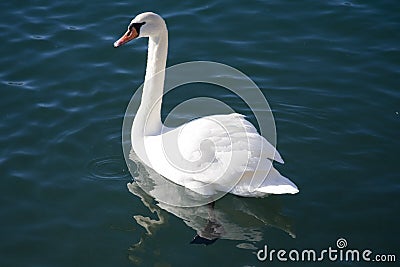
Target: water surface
(329, 69)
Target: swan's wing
(227, 133)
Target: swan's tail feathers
(275, 183)
(264, 183)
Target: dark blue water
(329, 69)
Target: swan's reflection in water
(232, 217)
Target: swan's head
(147, 24)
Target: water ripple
(108, 168)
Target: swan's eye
(135, 26)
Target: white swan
(209, 155)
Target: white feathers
(218, 153)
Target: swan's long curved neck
(148, 118)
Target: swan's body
(218, 153)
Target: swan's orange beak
(128, 36)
